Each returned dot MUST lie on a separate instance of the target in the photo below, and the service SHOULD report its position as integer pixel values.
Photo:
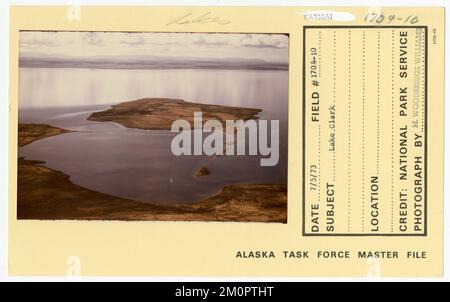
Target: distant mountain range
(151, 63)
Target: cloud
(93, 38)
(263, 45)
(38, 42)
(267, 47)
(132, 39)
(203, 41)
(266, 41)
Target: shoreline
(47, 194)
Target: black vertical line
(426, 124)
(303, 131)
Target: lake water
(138, 164)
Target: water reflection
(138, 164)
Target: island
(203, 171)
(160, 113)
(28, 133)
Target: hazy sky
(268, 47)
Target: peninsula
(28, 133)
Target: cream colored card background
(209, 248)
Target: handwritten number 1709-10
(382, 18)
